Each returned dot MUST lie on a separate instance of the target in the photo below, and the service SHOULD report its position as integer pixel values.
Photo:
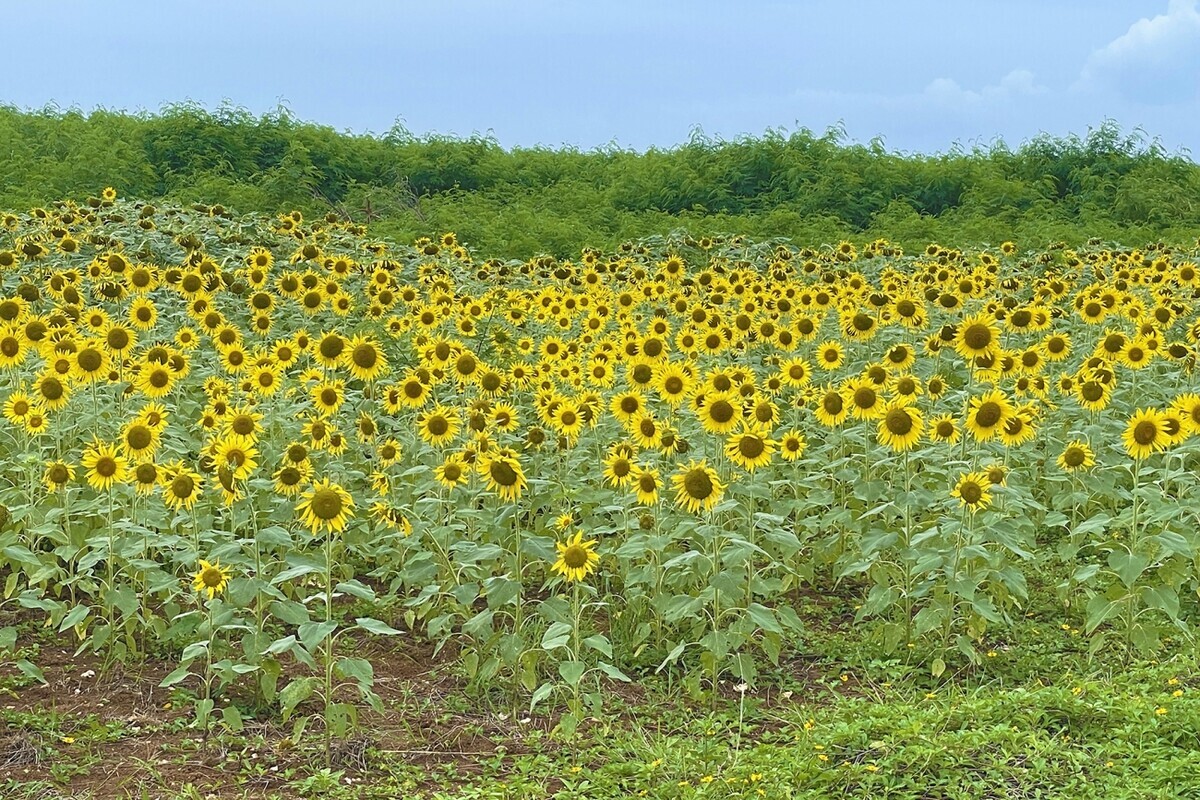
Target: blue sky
(923, 76)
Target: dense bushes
(514, 202)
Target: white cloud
(1156, 61)
(1018, 83)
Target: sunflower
(17, 407)
(1093, 395)
(504, 475)
(900, 426)
(393, 517)
(697, 487)
(576, 558)
(791, 445)
(452, 471)
(1076, 456)
(139, 440)
(104, 464)
(325, 506)
(181, 486)
(627, 405)
(567, 420)
(236, 454)
(944, 428)
(388, 452)
(619, 470)
(91, 363)
(12, 348)
(977, 336)
(863, 398)
(988, 414)
(1188, 405)
(58, 474)
(646, 485)
(721, 413)
(328, 396)
(795, 372)
(211, 578)
(831, 408)
(973, 491)
(1019, 428)
(146, 477)
(438, 426)
(291, 477)
(646, 431)
(1145, 433)
(365, 358)
(673, 383)
(750, 448)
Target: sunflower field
(252, 446)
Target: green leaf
(572, 671)
(312, 634)
(356, 588)
(556, 636)
(600, 644)
(176, 675)
(296, 693)
(1163, 598)
(1128, 566)
(540, 694)
(232, 718)
(356, 669)
(764, 618)
(75, 616)
(31, 670)
(289, 611)
(293, 573)
(377, 627)
(613, 672)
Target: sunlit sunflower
(721, 413)
(863, 398)
(977, 336)
(57, 475)
(988, 414)
(325, 506)
(236, 454)
(973, 491)
(577, 559)
(646, 485)
(181, 486)
(619, 470)
(17, 407)
(750, 448)
(1077, 455)
(697, 487)
(452, 472)
(792, 445)
(944, 428)
(211, 579)
(365, 358)
(1145, 433)
(105, 465)
(504, 475)
(831, 408)
(139, 440)
(438, 426)
(900, 427)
